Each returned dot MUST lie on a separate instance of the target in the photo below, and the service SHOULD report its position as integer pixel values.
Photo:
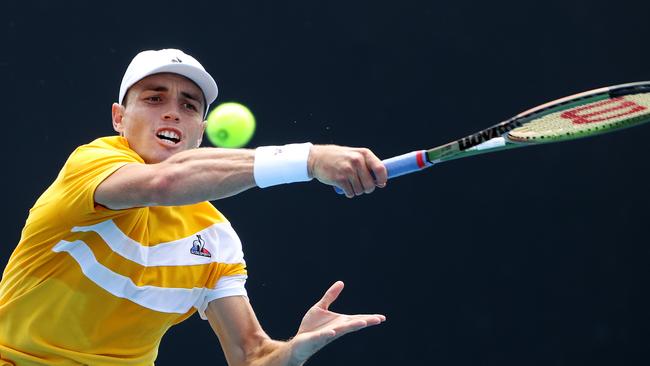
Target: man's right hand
(355, 170)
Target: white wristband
(281, 164)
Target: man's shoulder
(106, 146)
(109, 143)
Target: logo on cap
(177, 60)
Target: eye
(154, 98)
(190, 106)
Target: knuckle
(347, 170)
(357, 160)
(380, 166)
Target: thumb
(330, 295)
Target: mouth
(168, 136)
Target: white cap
(171, 60)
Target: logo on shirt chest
(198, 247)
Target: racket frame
(470, 145)
(494, 138)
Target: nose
(171, 115)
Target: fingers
(330, 295)
(378, 170)
(367, 172)
(357, 322)
(305, 344)
(320, 326)
(356, 171)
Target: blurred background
(541, 259)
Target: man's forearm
(206, 174)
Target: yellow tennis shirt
(89, 285)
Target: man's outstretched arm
(245, 343)
(207, 174)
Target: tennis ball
(230, 125)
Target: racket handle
(403, 164)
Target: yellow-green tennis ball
(230, 125)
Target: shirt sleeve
(84, 171)
(226, 286)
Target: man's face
(163, 115)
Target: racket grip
(403, 164)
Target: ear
(117, 111)
(203, 125)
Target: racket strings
(585, 119)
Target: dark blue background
(536, 256)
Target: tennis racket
(580, 115)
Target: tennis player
(124, 243)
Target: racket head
(582, 115)
(576, 116)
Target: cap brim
(200, 77)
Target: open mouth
(169, 137)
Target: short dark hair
(126, 97)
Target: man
(124, 243)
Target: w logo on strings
(603, 111)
